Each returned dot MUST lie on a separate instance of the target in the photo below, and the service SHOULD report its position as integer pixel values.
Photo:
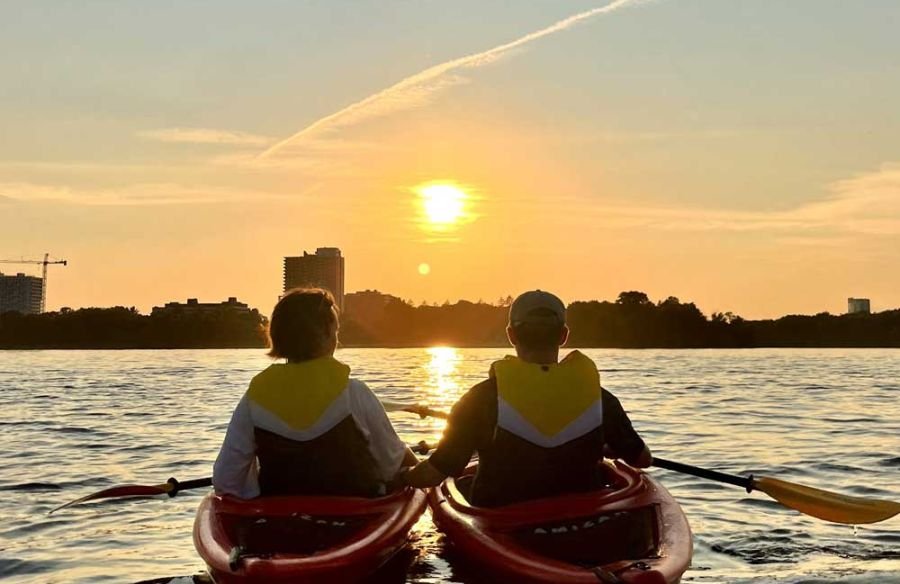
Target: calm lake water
(72, 422)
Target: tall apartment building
(858, 306)
(21, 293)
(323, 269)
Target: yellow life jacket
(548, 405)
(300, 401)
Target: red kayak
(302, 539)
(631, 531)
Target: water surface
(72, 422)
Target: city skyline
(325, 268)
(729, 153)
(368, 296)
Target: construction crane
(45, 262)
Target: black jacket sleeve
(469, 420)
(618, 432)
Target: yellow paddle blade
(826, 505)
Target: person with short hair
(305, 427)
(539, 424)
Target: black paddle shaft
(704, 473)
(191, 484)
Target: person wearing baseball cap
(539, 424)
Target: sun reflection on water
(442, 386)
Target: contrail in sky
(415, 88)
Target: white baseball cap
(527, 308)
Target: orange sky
(600, 149)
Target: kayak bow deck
(302, 539)
(632, 531)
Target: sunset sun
(444, 204)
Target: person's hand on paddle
(422, 476)
(643, 460)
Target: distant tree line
(388, 321)
(126, 328)
(373, 319)
(632, 321)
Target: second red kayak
(630, 532)
(302, 539)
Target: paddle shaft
(423, 448)
(705, 473)
(422, 411)
(178, 486)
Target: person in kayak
(305, 427)
(538, 424)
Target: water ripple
(77, 421)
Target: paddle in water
(826, 505)
(818, 503)
(171, 488)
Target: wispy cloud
(868, 204)
(141, 194)
(205, 136)
(77, 166)
(419, 88)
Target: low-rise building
(193, 306)
(858, 306)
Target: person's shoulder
(264, 375)
(481, 392)
(360, 400)
(358, 385)
(607, 394)
(359, 393)
(486, 386)
(612, 407)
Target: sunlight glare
(443, 365)
(444, 204)
(442, 387)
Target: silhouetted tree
(634, 298)
(120, 328)
(375, 319)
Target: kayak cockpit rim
(625, 484)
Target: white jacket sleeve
(235, 471)
(386, 447)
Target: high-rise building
(21, 293)
(858, 306)
(323, 269)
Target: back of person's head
(537, 320)
(304, 325)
